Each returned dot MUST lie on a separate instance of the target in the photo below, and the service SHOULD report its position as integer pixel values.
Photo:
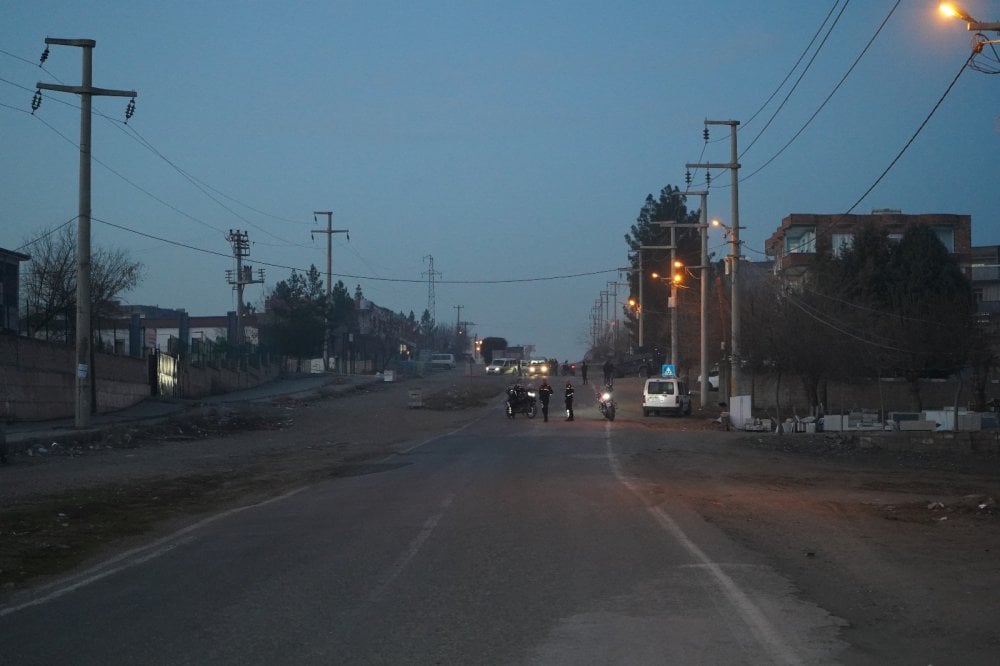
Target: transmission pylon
(431, 274)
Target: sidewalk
(21, 435)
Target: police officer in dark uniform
(569, 401)
(544, 393)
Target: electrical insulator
(687, 176)
(45, 56)
(129, 110)
(708, 179)
(36, 101)
(704, 133)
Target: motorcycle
(606, 402)
(521, 400)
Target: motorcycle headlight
(605, 396)
(532, 394)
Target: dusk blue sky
(507, 140)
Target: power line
(915, 134)
(828, 97)
(798, 80)
(196, 182)
(567, 276)
(794, 67)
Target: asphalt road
(516, 542)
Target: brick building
(802, 236)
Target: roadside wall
(888, 394)
(37, 380)
(982, 442)
(198, 382)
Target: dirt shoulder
(902, 547)
(83, 497)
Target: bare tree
(49, 286)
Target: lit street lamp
(952, 10)
(979, 40)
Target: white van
(660, 394)
(443, 361)
(502, 366)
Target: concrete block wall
(38, 382)
(844, 397)
(199, 382)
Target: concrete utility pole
(671, 247)
(458, 318)
(86, 91)
(734, 166)
(329, 231)
(703, 350)
(642, 315)
(244, 276)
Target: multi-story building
(986, 279)
(10, 263)
(802, 236)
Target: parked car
(669, 396)
(442, 361)
(713, 379)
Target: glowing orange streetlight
(952, 10)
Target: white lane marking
(133, 557)
(393, 572)
(765, 633)
(431, 439)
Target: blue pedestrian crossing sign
(667, 371)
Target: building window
(947, 237)
(841, 242)
(985, 272)
(800, 240)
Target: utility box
(835, 422)
(415, 399)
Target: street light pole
(703, 351)
(702, 227)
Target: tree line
(876, 307)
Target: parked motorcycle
(521, 400)
(606, 401)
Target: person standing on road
(609, 370)
(544, 393)
(583, 371)
(569, 401)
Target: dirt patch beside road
(903, 546)
(80, 498)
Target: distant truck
(516, 353)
